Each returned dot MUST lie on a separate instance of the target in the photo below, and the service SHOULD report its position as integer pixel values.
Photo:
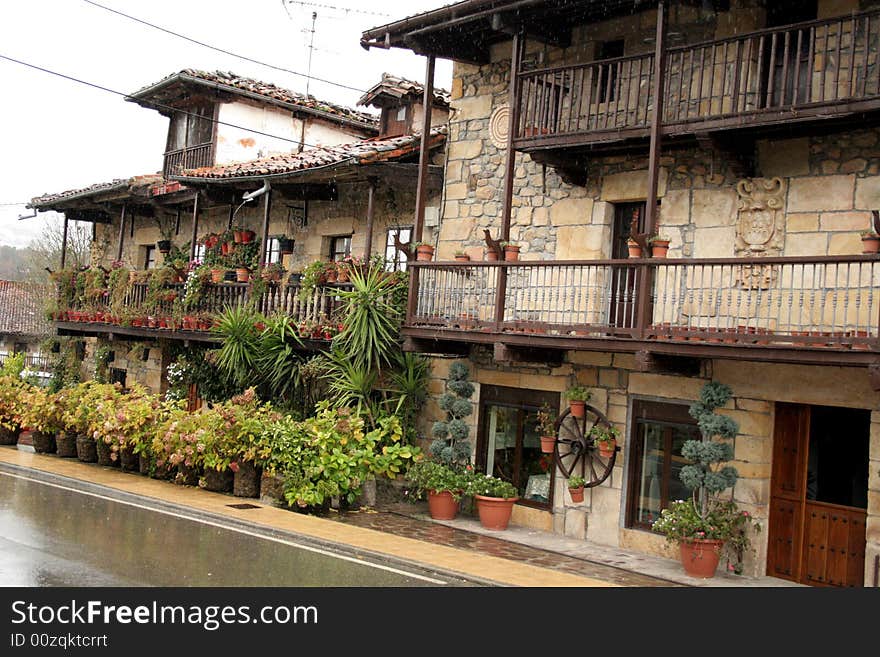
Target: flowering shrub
(479, 483)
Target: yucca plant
(371, 319)
(279, 358)
(237, 357)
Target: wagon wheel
(576, 452)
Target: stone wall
(393, 206)
(129, 355)
(615, 383)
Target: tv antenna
(311, 50)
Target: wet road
(51, 535)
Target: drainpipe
(64, 244)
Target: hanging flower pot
(548, 444)
(164, 246)
(577, 494)
(247, 236)
(607, 448)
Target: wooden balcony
(800, 72)
(190, 157)
(163, 320)
(822, 309)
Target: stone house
(23, 324)
(249, 155)
(747, 134)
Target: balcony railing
(190, 157)
(825, 301)
(31, 362)
(752, 78)
(319, 307)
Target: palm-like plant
(279, 358)
(351, 384)
(372, 320)
(238, 355)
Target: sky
(57, 135)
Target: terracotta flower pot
(462, 258)
(495, 512)
(511, 252)
(242, 275)
(700, 556)
(247, 236)
(659, 248)
(442, 506)
(217, 275)
(635, 251)
(871, 244)
(577, 408)
(424, 252)
(577, 494)
(548, 444)
(491, 256)
(606, 450)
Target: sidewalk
(515, 557)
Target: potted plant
(511, 250)
(605, 438)
(706, 525)
(870, 242)
(659, 246)
(577, 397)
(462, 256)
(494, 498)
(442, 484)
(546, 427)
(424, 251)
(576, 488)
(272, 272)
(635, 249)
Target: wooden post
(369, 246)
(264, 247)
(421, 185)
(195, 227)
(424, 154)
(645, 274)
(516, 48)
(121, 233)
(64, 244)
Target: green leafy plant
(238, 355)
(576, 481)
(546, 424)
(430, 475)
(606, 435)
(578, 393)
(479, 483)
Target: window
(20, 348)
(658, 431)
(340, 247)
(508, 444)
(200, 253)
(394, 259)
(273, 252)
(117, 375)
(149, 257)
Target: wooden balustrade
(321, 305)
(191, 157)
(747, 79)
(824, 301)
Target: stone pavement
(514, 557)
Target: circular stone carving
(498, 126)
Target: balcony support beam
(64, 243)
(121, 233)
(264, 246)
(195, 227)
(368, 247)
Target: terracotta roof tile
(367, 151)
(397, 87)
(119, 184)
(267, 90)
(22, 307)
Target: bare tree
(44, 251)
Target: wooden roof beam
(554, 34)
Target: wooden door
(622, 306)
(809, 541)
